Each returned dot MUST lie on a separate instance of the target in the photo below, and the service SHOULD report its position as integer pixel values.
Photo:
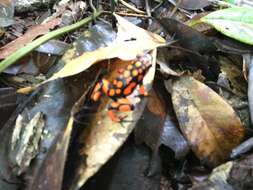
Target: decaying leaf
(150, 126)
(172, 138)
(210, 125)
(25, 142)
(229, 176)
(8, 102)
(193, 4)
(31, 34)
(217, 179)
(188, 37)
(241, 173)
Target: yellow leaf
(131, 40)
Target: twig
(148, 11)
(175, 8)
(148, 8)
(128, 14)
(94, 10)
(131, 7)
(36, 43)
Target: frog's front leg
(101, 87)
(121, 105)
(142, 91)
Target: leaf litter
(200, 109)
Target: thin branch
(131, 7)
(128, 14)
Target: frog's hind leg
(121, 105)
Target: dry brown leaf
(31, 34)
(104, 137)
(127, 45)
(5, 2)
(209, 123)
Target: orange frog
(123, 86)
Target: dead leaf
(210, 125)
(187, 37)
(103, 137)
(150, 127)
(5, 2)
(240, 176)
(25, 142)
(172, 138)
(217, 179)
(193, 4)
(8, 102)
(31, 34)
(127, 45)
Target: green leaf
(236, 22)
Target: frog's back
(127, 81)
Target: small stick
(129, 14)
(131, 7)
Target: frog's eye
(138, 64)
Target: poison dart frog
(123, 85)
